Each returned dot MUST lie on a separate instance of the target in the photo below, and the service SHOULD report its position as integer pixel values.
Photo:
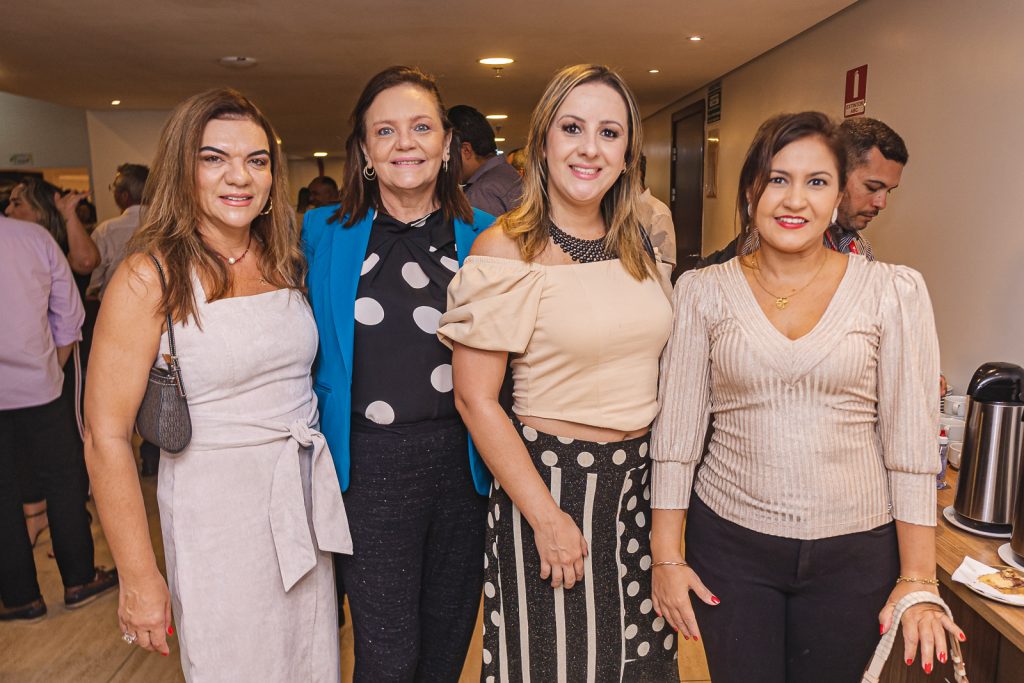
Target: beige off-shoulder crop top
(585, 338)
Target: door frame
(698, 107)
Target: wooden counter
(994, 651)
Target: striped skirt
(603, 629)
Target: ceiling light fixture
(653, 71)
(238, 62)
(319, 154)
(695, 38)
(496, 61)
(497, 117)
(115, 102)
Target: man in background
(488, 181)
(111, 236)
(876, 156)
(323, 191)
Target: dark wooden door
(687, 195)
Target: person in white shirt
(111, 236)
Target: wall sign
(856, 91)
(715, 102)
(22, 159)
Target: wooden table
(994, 650)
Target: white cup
(953, 453)
(954, 405)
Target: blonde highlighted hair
(172, 216)
(528, 224)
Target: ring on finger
(129, 638)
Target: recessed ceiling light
(653, 71)
(497, 117)
(319, 154)
(238, 62)
(695, 38)
(115, 102)
(496, 61)
(499, 139)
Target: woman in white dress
(251, 509)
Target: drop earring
(369, 172)
(835, 215)
(444, 165)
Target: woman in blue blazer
(414, 486)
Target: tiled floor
(85, 645)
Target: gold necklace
(782, 301)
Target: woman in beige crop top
(565, 287)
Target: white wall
(55, 136)
(946, 75)
(119, 137)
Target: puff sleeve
(677, 441)
(492, 304)
(908, 377)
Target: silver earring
(270, 207)
(835, 215)
(750, 210)
(444, 165)
(369, 172)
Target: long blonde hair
(170, 228)
(528, 224)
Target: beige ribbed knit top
(584, 339)
(833, 433)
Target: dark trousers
(414, 578)
(44, 437)
(792, 611)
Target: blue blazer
(335, 255)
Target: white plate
(950, 516)
(1007, 555)
(983, 590)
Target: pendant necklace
(782, 301)
(579, 250)
(231, 260)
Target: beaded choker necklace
(581, 251)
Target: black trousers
(792, 611)
(414, 579)
(45, 439)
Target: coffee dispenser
(990, 464)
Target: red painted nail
(942, 657)
(164, 653)
(928, 668)
(881, 629)
(909, 662)
(696, 638)
(961, 636)
(170, 630)
(714, 600)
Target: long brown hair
(528, 224)
(359, 194)
(170, 228)
(39, 195)
(771, 137)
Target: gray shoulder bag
(163, 417)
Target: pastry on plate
(1007, 581)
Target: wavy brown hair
(173, 216)
(528, 224)
(39, 195)
(359, 194)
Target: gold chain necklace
(782, 301)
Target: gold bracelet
(911, 579)
(671, 564)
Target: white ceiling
(314, 57)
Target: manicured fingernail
(881, 629)
(909, 662)
(165, 653)
(714, 600)
(170, 630)
(684, 637)
(657, 612)
(696, 638)
(942, 657)
(928, 668)
(961, 636)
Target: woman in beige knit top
(813, 509)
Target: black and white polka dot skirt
(604, 628)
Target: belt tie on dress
(296, 553)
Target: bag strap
(884, 648)
(172, 366)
